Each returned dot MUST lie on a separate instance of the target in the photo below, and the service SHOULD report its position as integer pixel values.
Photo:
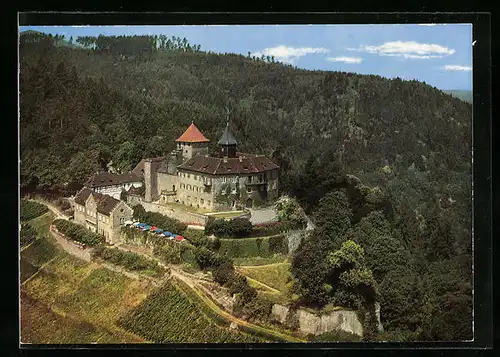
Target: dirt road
(53, 208)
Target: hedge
(129, 260)
(78, 233)
(254, 247)
(197, 238)
(236, 227)
(31, 209)
(165, 249)
(158, 220)
(271, 228)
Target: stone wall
(294, 239)
(309, 323)
(167, 182)
(177, 213)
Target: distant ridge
(465, 95)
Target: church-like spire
(227, 137)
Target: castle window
(208, 202)
(202, 200)
(189, 176)
(249, 189)
(224, 179)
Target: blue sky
(440, 55)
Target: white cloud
(454, 67)
(408, 49)
(289, 54)
(345, 59)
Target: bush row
(242, 227)
(78, 233)
(237, 227)
(31, 209)
(197, 238)
(129, 260)
(271, 228)
(159, 220)
(165, 249)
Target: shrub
(31, 209)
(62, 204)
(224, 273)
(237, 284)
(237, 227)
(256, 308)
(169, 252)
(206, 258)
(129, 260)
(270, 228)
(78, 233)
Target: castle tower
(227, 143)
(151, 167)
(192, 143)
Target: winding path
(191, 280)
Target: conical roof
(227, 137)
(192, 135)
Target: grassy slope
(65, 300)
(273, 275)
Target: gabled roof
(139, 168)
(217, 166)
(109, 179)
(105, 203)
(82, 196)
(192, 135)
(227, 137)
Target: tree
(351, 280)
(83, 165)
(333, 216)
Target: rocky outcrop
(280, 312)
(293, 239)
(380, 327)
(310, 323)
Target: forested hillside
(384, 163)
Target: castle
(189, 175)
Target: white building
(113, 184)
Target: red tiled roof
(192, 135)
(217, 166)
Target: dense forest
(383, 166)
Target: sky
(437, 54)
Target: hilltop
(398, 147)
(465, 95)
